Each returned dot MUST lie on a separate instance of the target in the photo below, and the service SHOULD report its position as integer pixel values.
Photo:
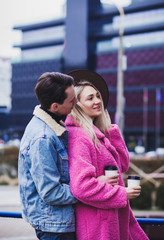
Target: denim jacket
(47, 202)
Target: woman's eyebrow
(90, 95)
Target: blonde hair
(81, 119)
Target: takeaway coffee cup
(133, 181)
(111, 170)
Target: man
(47, 202)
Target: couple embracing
(64, 191)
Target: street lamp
(120, 76)
(120, 81)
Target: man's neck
(56, 117)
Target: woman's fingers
(133, 192)
(113, 180)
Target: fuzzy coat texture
(103, 211)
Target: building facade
(5, 82)
(5, 93)
(92, 42)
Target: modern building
(5, 82)
(88, 37)
(5, 93)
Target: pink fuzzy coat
(103, 212)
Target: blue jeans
(55, 236)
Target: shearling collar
(57, 128)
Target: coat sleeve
(46, 175)
(84, 184)
(118, 142)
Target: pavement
(13, 228)
(18, 229)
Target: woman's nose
(97, 100)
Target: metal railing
(142, 221)
(151, 221)
(11, 214)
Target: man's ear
(54, 107)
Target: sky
(22, 12)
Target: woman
(103, 211)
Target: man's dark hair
(51, 88)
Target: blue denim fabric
(47, 202)
(55, 236)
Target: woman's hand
(133, 192)
(113, 180)
(108, 118)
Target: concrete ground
(13, 228)
(18, 229)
